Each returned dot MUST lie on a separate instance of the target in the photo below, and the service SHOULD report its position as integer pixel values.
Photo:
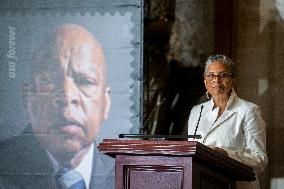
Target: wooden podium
(160, 164)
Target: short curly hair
(220, 58)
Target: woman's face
(218, 80)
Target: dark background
(251, 32)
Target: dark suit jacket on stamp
(25, 164)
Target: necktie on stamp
(70, 179)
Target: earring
(207, 95)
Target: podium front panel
(153, 172)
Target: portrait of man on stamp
(73, 83)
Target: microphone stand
(198, 120)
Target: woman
(227, 123)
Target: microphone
(196, 127)
(156, 137)
(145, 123)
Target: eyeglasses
(223, 76)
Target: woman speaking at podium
(227, 123)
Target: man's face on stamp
(70, 98)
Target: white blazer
(240, 130)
